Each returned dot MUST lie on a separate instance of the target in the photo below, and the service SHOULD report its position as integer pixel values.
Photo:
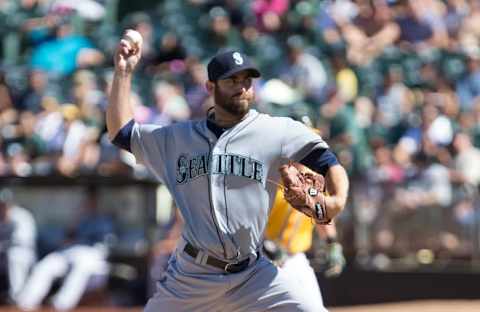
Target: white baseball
(134, 38)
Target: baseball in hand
(134, 38)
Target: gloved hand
(304, 191)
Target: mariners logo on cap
(237, 57)
(229, 63)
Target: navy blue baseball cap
(226, 64)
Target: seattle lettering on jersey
(192, 167)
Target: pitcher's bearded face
(235, 94)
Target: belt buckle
(227, 267)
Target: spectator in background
(469, 33)
(304, 71)
(89, 10)
(170, 104)
(436, 127)
(18, 233)
(386, 171)
(466, 175)
(350, 141)
(3, 165)
(415, 33)
(301, 20)
(81, 263)
(269, 13)
(370, 32)
(19, 162)
(474, 122)
(29, 140)
(456, 12)
(65, 53)
(394, 100)
(432, 12)
(220, 33)
(32, 20)
(77, 152)
(331, 15)
(38, 88)
(86, 95)
(434, 131)
(49, 124)
(195, 93)
(238, 10)
(265, 47)
(345, 78)
(468, 87)
(170, 50)
(5, 96)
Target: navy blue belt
(229, 267)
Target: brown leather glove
(304, 191)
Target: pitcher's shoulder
(278, 120)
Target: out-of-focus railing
(56, 202)
(418, 225)
(386, 226)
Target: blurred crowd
(393, 86)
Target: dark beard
(229, 106)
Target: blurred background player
(81, 264)
(18, 234)
(289, 235)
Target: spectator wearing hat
(220, 33)
(304, 71)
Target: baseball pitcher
(219, 171)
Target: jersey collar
(201, 126)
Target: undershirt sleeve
(122, 139)
(320, 160)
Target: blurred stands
(393, 85)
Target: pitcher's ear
(210, 86)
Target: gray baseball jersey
(221, 184)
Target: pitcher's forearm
(337, 187)
(119, 110)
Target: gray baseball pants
(189, 285)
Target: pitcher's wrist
(123, 73)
